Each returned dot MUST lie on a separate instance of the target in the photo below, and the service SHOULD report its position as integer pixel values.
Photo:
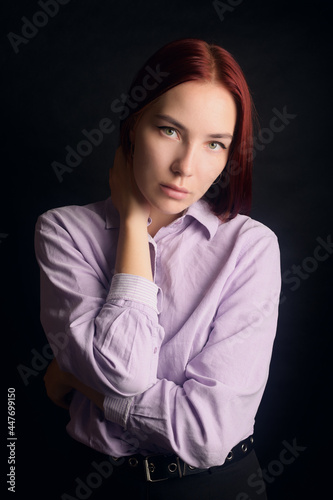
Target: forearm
(133, 256)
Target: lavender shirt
(182, 362)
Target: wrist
(133, 256)
(134, 220)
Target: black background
(63, 81)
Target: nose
(184, 163)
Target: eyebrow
(174, 122)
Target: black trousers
(82, 473)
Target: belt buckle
(150, 468)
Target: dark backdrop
(61, 78)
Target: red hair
(192, 59)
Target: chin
(170, 207)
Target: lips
(175, 192)
(175, 188)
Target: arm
(110, 334)
(215, 408)
(133, 255)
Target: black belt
(162, 467)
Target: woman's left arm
(215, 407)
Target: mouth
(175, 192)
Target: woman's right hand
(126, 196)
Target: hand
(58, 385)
(126, 196)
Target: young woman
(166, 294)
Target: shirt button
(155, 350)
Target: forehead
(190, 103)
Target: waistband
(161, 467)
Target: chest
(191, 279)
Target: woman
(166, 294)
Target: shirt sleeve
(110, 336)
(215, 407)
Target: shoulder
(85, 219)
(244, 226)
(84, 227)
(247, 235)
(78, 214)
(75, 232)
(242, 229)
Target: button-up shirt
(182, 361)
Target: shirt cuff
(117, 409)
(135, 288)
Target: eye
(214, 146)
(169, 131)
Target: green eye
(169, 131)
(213, 146)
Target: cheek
(212, 171)
(149, 156)
(143, 151)
(144, 165)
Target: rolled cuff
(134, 288)
(117, 409)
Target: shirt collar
(203, 214)
(199, 211)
